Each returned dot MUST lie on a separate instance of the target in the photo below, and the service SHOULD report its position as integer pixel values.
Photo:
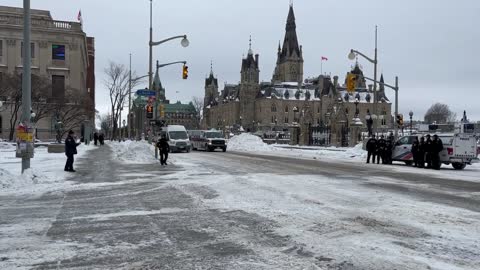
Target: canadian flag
(324, 58)
(79, 16)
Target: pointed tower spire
(250, 51)
(211, 67)
(290, 43)
(382, 86)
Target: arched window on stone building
(286, 109)
(274, 108)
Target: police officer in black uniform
(437, 147)
(371, 149)
(415, 151)
(381, 144)
(428, 152)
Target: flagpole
(321, 67)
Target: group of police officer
(423, 151)
(380, 149)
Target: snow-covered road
(238, 210)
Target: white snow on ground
(246, 142)
(136, 152)
(45, 175)
(345, 219)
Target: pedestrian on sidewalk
(371, 149)
(101, 138)
(95, 138)
(164, 148)
(70, 151)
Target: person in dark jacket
(101, 138)
(95, 138)
(415, 151)
(388, 150)
(70, 151)
(437, 147)
(421, 153)
(164, 148)
(428, 152)
(371, 149)
(381, 150)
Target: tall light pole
(129, 98)
(151, 43)
(26, 83)
(353, 53)
(411, 121)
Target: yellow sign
(25, 136)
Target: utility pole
(375, 97)
(26, 84)
(130, 100)
(150, 72)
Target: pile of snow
(246, 142)
(134, 152)
(45, 175)
(356, 152)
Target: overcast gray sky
(432, 45)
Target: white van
(177, 138)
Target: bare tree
(197, 103)
(105, 123)
(11, 84)
(117, 83)
(440, 113)
(72, 112)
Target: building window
(274, 108)
(32, 50)
(1, 124)
(58, 87)
(273, 119)
(1, 47)
(286, 109)
(58, 52)
(286, 119)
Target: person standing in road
(428, 152)
(164, 148)
(371, 149)
(381, 150)
(415, 151)
(388, 150)
(70, 151)
(437, 147)
(421, 153)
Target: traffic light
(351, 81)
(149, 111)
(400, 120)
(185, 72)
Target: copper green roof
(180, 108)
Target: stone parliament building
(289, 100)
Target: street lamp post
(184, 43)
(27, 150)
(411, 121)
(374, 61)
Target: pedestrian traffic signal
(185, 72)
(149, 111)
(161, 108)
(400, 120)
(351, 82)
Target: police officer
(437, 147)
(381, 147)
(164, 148)
(371, 149)
(428, 152)
(415, 151)
(421, 153)
(70, 150)
(388, 150)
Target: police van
(459, 149)
(208, 140)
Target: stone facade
(59, 49)
(289, 100)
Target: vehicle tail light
(450, 151)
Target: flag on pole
(324, 58)
(79, 16)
